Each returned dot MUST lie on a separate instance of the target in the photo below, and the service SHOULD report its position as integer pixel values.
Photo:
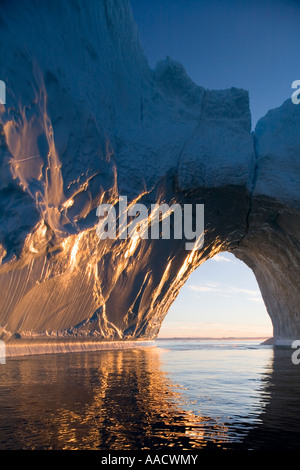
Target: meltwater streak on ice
(182, 395)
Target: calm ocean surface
(180, 394)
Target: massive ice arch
(86, 120)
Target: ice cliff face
(87, 120)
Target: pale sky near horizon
(220, 299)
(248, 44)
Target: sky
(249, 44)
(220, 299)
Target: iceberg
(86, 120)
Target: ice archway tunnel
(86, 120)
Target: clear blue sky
(250, 44)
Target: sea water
(178, 394)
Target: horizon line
(214, 338)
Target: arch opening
(221, 299)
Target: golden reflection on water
(232, 396)
(117, 399)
